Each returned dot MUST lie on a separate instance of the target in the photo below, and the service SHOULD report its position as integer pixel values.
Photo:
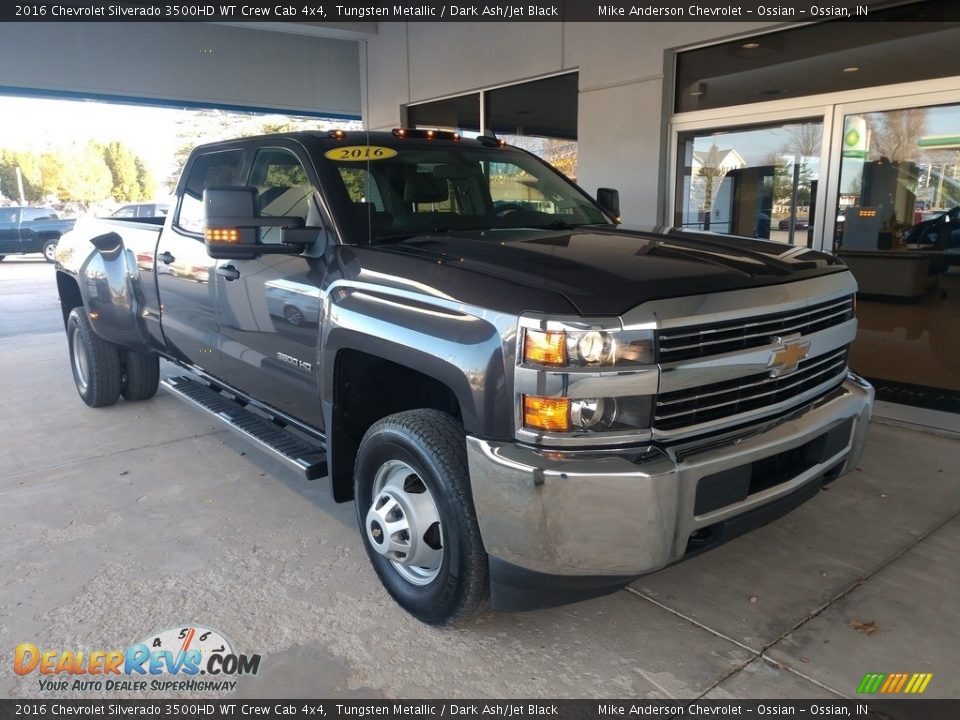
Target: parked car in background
(25, 230)
(800, 223)
(142, 210)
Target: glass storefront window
(758, 182)
(539, 116)
(898, 230)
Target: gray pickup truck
(529, 404)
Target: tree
(78, 174)
(146, 183)
(122, 162)
(29, 164)
(712, 174)
(895, 134)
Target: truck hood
(609, 271)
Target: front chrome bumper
(601, 514)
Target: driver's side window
(285, 190)
(215, 168)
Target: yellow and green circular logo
(852, 138)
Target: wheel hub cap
(403, 523)
(79, 361)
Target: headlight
(576, 348)
(595, 348)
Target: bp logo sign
(855, 137)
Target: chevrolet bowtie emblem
(787, 357)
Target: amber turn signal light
(545, 348)
(549, 414)
(222, 235)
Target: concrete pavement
(121, 522)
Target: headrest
(424, 188)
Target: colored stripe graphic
(900, 683)
(894, 683)
(870, 683)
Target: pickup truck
(25, 230)
(529, 404)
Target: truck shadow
(317, 492)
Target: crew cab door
(270, 306)
(9, 230)
(186, 274)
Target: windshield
(417, 189)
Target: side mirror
(609, 200)
(232, 221)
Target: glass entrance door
(897, 228)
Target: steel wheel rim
(403, 523)
(50, 251)
(80, 367)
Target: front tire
(141, 375)
(416, 515)
(50, 251)
(95, 362)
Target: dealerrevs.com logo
(171, 660)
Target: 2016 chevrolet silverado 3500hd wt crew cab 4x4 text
(526, 402)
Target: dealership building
(840, 136)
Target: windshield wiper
(559, 225)
(399, 237)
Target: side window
(125, 212)
(31, 214)
(285, 190)
(216, 168)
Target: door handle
(165, 257)
(229, 272)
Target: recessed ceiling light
(851, 69)
(750, 45)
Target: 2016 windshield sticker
(359, 153)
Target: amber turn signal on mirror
(222, 235)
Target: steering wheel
(507, 208)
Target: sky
(34, 123)
(151, 132)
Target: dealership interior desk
(904, 273)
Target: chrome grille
(717, 401)
(714, 338)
